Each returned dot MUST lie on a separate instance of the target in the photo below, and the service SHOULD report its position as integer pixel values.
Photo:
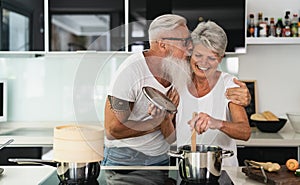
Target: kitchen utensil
(68, 172)
(1, 170)
(294, 119)
(78, 150)
(159, 99)
(78, 143)
(194, 136)
(202, 166)
(6, 143)
(193, 142)
(269, 126)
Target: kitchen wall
(72, 87)
(275, 67)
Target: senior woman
(219, 121)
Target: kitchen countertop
(33, 175)
(25, 175)
(41, 134)
(29, 134)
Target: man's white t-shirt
(214, 104)
(132, 75)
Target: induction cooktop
(139, 177)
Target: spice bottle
(299, 27)
(279, 27)
(286, 31)
(251, 26)
(294, 25)
(262, 25)
(272, 30)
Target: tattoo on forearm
(118, 104)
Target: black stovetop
(139, 177)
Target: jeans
(125, 156)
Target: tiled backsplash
(62, 87)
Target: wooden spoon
(193, 141)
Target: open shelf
(273, 40)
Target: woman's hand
(202, 122)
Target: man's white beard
(177, 71)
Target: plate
(159, 99)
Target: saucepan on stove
(68, 172)
(202, 166)
(77, 152)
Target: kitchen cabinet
(93, 25)
(22, 25)
(266, 154)
(229, 14)
(99, 25)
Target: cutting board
(281, 177)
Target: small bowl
(269, 126)
(294, 119)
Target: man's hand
(239, 95)
(173, 95)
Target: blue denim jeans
(125, 156)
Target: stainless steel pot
(68, 172)
(202, 166)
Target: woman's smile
(202, 68)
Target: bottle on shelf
(299, 27)
(279, 27)
(294, 25)
(262, 25)
(272, 30)
(286, 31)
(251, 26)
(287, 18)
(266, 20)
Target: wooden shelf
(273, 40)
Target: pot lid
(159, 99)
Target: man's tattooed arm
(118, 125)
(117, 104)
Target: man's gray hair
(210, 35)
(163, 24)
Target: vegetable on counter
(292, 164)
(297, 172)
(269, 166)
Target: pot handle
(226, 153)
(34, 161)
(176, 154)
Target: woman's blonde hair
(211, 36)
